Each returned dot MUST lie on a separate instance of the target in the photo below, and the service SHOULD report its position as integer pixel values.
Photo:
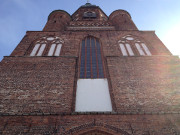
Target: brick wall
(36, 84)
(145, 84)
(109, 41)
(144, 90)
(82, 123)
(122, 20)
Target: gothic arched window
(130, 46)
(91, 64)
(55, 48)
(92, 92)
(38, 48)
(47, 46)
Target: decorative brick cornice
(89, 113)
(91, 28)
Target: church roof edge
(88, 5)
(58, 11)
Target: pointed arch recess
(94, 127)
(92, 82)
(45, 46)
(131, 45)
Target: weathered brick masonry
(116, 124)
(38, 89)
(145, 84)
(31, 85)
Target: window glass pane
(94, 63)
(51, 51)
(58, 50)
(139, 49)
(33, 53)
(88, 59)
(123, 49)
(82, 66)
(41, 49)
(100, 66)
(129, 50)
(146, 49)
(91, 60)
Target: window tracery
(131, 46)
(47, 46)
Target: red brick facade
(38, 93)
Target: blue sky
(19, 16)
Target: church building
(90, 74)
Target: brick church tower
(90, 74)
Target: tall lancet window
(92, 86)
(39, 48)
(91, 65)
(55, 48)
(132, 46)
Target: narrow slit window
(141, 52)
(82, 66)
(99, 58)
(35, 49)
(51, 50)
(146, 49)
(129, 50)
(40, 52)
(58, 50)
(123, 49)
(94, 57)
(88, 58)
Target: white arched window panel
(58, 50)
(146, 49)
(129, 38)
(129, 50)
(34, 51)
(51, 51)
(50, 38)
(139, 49)
(41, 49)
(123, 49)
